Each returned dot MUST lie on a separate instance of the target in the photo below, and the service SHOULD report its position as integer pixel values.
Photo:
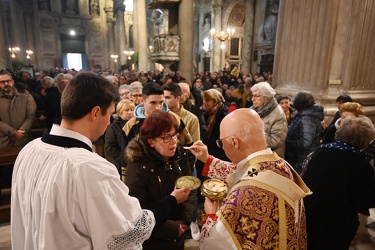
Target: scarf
(266, 108)
(211, 117)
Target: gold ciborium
(213, 189)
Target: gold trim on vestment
(285, 189)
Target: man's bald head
(244, 130)
(185, 91)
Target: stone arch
(232, 12)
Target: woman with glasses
(155, 161)
(273, 116)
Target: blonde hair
(123, 105)
(353, 107)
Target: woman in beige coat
(273, 116)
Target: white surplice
(71, 198)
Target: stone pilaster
(216, 64)
(248, 36)
(3, 41)
(111, 34)
(28, 16)
(17, 30)
(142, 35)
(185, 21)
(120, 31)
(327, 49)
(135, 26)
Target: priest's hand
(199, 149)
(210, 206)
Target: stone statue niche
(157, 18)
(207, 22)
(94, 8)
(44, 5)
(70, 7)
(267, 32)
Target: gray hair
(356, 131)
(265, 89)
(48, 82)
(124, 86)
(136, 83)
(248, 79)
(135, 88)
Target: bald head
(244, 130)
(185, 91)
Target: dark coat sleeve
(111, 145)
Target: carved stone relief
(48, 41)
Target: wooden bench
(7, 156)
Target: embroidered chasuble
(263, 210)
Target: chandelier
(29, 52)
(222, 36)
(129, 53)
(114, 57)
(13, 51)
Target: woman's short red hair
(157, 124)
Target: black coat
(149, 179)
(343, 184)
(114, 137)
(52, 106)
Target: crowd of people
(287, 173)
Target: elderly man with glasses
(16, 114)
(264, 207)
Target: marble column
(135, 26)
(185, 23)
(248, 36)
(327, 49)
(142, 35)
(4, 40)
(120, 32)
(28, 15)
(111, 35)
(216, 51)
(18, 38)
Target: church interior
(324, 47)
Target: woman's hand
(181, 194)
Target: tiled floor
(364, 240)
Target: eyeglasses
(137, 96)
(257, 96)
(5, 81)
(168, 138)
(125, 93)
(219, 142)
